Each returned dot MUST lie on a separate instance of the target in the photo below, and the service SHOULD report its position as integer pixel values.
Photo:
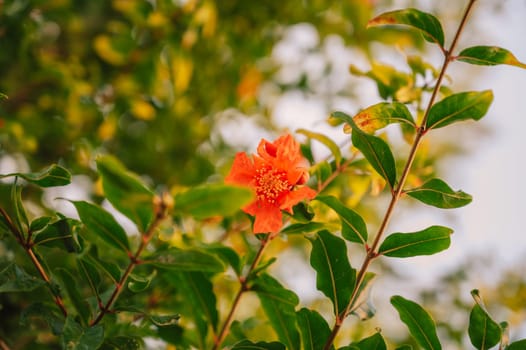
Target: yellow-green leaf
(489, 56)
(380, 115)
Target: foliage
(155, 253)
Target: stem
(161, 207)
(243, 288)
(3, 345)
(28, 247)
(421, 131)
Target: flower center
(270, 184)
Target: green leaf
(432, 240)
(248, 345)
(314, 329)
(164, 320)
(71, 286)
(404, 347)
(213, 199)
(89, 273)
(374, 342)
(59, 234)
(428, 24)
(227, 254)
(517, 345)
(334, 275)
(362, 306)
(199, 292)
(48, 312)
(327, 141)
(14, 279)
(374, 149)
(420, 324)
(483, 331)
(300, 228)
(123, 343)
(354, 228)
(138, 283)
(111, 269)
(39, 223)
(380, 115)
(20, 217)
(279, 305)
(437, 193)
(185, 260)
(126, 192)
(54, 175)
(489, 56)
(103, 224)
(76, 337)
(458, 107)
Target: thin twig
(372, 251)
(243, 288)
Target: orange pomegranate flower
(276, 174)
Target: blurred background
(174, 88)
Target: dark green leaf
(54, 175)
(489, 56)
(437, 193)
(314, 329)
(186, 260)
(327, 141)
(380, 115)
(164, 320)
(428, 24)
(483, 331)
(123, 343)
(248, 345)
(404, 347)
(103, 224)
(76, 337)
(432, 240)
(227, 254)
(48, 312)
(71, 286)
(14, 279)
(199, 292)
(20, 217)
(58, 234)
(137, 283)
(212, 200)
(458, 107)
(418, 321)
(39, 223)
(334, 275)
(374, 149)
(89, 273)
(126, 192)
(374, 342)
(109, 268)
(299, 228)
(354, 228)
(517, 345)
(279, 305)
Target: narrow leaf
(428, 24)
(14, 279)
(374, 149)
(89, 273)
(327, 141)
(483, 331)
(299, 228)
(126, 192)
(164, 320)
(39, 223)
(103, 224)
(138, 283)
(458, 107)
(437, 193)
(380, 115)
(489, 56)
(54, 175)
(212, 200)
(279, 305)
(248, 345)
(374, 342)
(185, 260)
(334, 275)
(59, 234)
(432, 240)
(20, 217)
(363, 307)
(420, 324)
(354, 228)
(314, 329)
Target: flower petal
(296, 196)
(268, 219)
(242, 171)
